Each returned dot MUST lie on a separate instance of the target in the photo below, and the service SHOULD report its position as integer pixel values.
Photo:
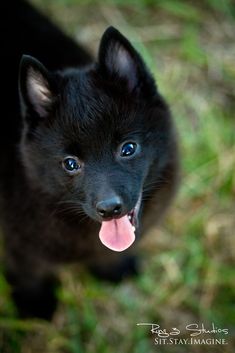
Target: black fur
(48, 216)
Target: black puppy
(92, 161)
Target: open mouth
(119, 234)
(134, 213)
(131, 218)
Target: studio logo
(193, 334)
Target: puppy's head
(94, 137)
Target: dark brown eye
(71, 165)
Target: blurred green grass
(188, 264)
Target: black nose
(109, 208)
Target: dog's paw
(37, 300)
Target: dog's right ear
(119, 61)
(35, 86)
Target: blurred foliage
(188, 264)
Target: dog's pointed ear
(118, 58)
(35, 86)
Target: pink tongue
(117, 234)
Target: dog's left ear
(118, 58)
